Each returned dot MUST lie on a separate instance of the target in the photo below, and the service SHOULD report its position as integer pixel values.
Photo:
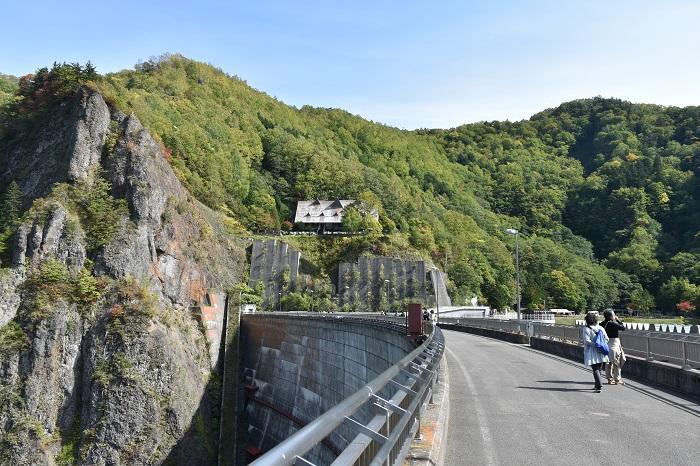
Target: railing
(671, 329)
(679, 349)
(404, 387)
(510, 326)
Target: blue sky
(405, 63)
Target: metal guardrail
(386, 438)
(679, 349)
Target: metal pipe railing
(412, 379)
(679, 349)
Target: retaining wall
(297, 368)
(269, 261)
(363, 282)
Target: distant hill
(604, 192)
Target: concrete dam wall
(296, 368)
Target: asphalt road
(511, 405)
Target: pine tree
(89, 72)
(10, 207)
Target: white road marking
(486, 437)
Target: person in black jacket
(613, 326)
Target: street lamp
(280, 300)
(513, 231)
(312, 300)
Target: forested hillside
(605, 192)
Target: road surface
(511, 405)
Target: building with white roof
(324, 215)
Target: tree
(10, 206)
(89, 72)
(10, 210)
(685, 307)
(352, 220)
(676, 290)
(643, 300)
(246, 294)
(295, 301)
(563, 291)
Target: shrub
(12, 339)
(87, 288)
(99, 212)
(135, 297)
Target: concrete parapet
(658, 373)
(511, 337)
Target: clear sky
(405, 63)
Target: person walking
(591, 356)
(613, 369)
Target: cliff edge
(102, 360)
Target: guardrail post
(685, 365)
(418, 435)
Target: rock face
(102, 361)
(64, 147)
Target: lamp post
(280, 300)
(513, 231)
(312, 300)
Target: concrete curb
(429, 450)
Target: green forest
(605, 193)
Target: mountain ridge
(250, 156)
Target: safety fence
(396, 396)
(678, 349)
(672, 329)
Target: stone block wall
(298, 368)
(363, 283)
(269, 261)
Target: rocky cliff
(102, 360)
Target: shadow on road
(563, 381)
(558, 389)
